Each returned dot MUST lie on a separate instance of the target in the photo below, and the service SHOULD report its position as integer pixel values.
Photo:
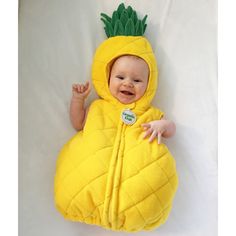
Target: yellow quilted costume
(108, 174)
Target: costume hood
(113, 48)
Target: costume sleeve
(158, 113)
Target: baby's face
(128, 79)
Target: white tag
(128, 117)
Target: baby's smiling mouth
(128, 93)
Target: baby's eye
(137, 80)
(120, 77)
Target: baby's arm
(77, 108)
(159, 128)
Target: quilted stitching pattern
(149, 196)
(107, 174)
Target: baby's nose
(128, 83)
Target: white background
(57, 40)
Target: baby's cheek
(142, 91)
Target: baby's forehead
(129, 57)
(123, 60)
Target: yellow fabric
(108, 174)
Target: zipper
(113, 180)
(117, 176)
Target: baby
(110, 174)
(128, 81)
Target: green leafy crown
(124, 21)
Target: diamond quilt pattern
(140, 198)
(108, 174)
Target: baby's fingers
(87, 85)
(74, 87)
(87, 89)
(153, 136)
(146, 126)
(147, 133)
(81, 88)
(77, 88)
(159, 137)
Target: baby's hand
(81, 91)
(155, 129)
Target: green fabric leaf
(106, 17)
(130, 11)
(144, 28)
(141, 30)
(134, 17)
(124, 22)
(144, 20)
(124, 17)
(114, 18)
(118, 29)
(121, 28)
(137, 30)
(120, 9)
(109, 27)
(107, 32)
(129, 28)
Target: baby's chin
(127, 101)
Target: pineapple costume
(107, 174)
